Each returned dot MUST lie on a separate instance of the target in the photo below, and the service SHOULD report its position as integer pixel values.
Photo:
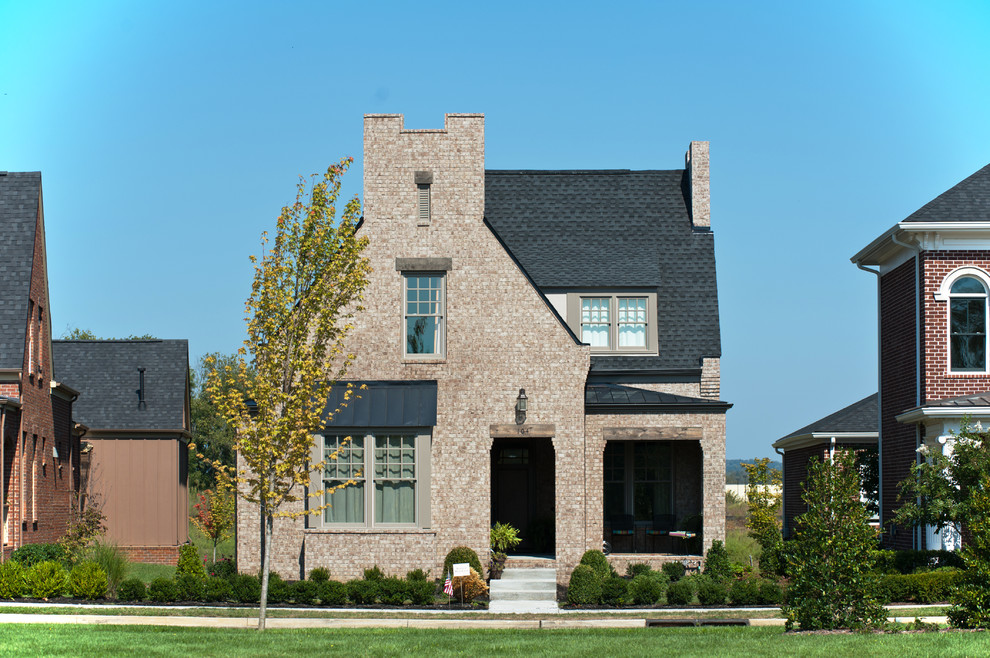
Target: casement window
(389, 475)
(623, 323)
(968, 325)
(638, 479)
(423, 321)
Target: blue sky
(170, 134)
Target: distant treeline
(736, 474)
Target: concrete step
(535, 586)
(522, 596)
(530, 574)
(524, 591)
(524, 607)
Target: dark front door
(523, 491)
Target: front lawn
(37, 639)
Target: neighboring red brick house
(39, 449)
(933, 272)
(592, 291)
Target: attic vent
(140, 392)
(424, 204)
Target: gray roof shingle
(20, 194)
(968, 201)
(105, 372)
(858, 417)
(615, 229)
(616, 395)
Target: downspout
(879, 399)
(916, 534)
(831, 449)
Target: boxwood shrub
(770, 592)
(87, 580)
(681, 592)
(744, 591)
(711, 591)
(132, 589)
(362, 591)
(615, 591)
(189, 587)
(319, 575)
(332, 592)
(46, 580)
(305, 592)
(599, 563)
(674, 570)
(163, 590)
(12, 582)
(217, 590)
(31, 554)
(459, 555)
(245, 588)
(421, 592)
(637, 569)
(279, 591)
(585, 586)
(648, 589)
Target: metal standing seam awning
(384, 404)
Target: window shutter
(424, 204)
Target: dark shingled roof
(20, 194)
(969, 201)
(858, 417)
(615, 229)
(384, 404)
(105, 372)
(617, 395)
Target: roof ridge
(572, 172)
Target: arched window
(967, 325)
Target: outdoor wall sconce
(522, 404)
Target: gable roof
(615, 229)
(20, 196)
(105, 372)
(859, 418)
(968, 201)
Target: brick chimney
(696, 164)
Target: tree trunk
(266, 565)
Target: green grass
(56, 640)
(148, 572)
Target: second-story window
(424, 315)
(622, 323)
(968, 325)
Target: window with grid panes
(614, 322)
(638, 479)
(344, 461)
(424, 314)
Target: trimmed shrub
(374, 573)
(189, 561)
(896, 588)
(711, 591)
(12, 582)
(279, 591)
(305, 592)
(216, 590)
(745, 591)
(459, 555)
(598, 563)
(319, 575)
(648, 589)
(163, 590)
(638, 569)
(421, 592)
(717, 565)
(615, 591)
(771, 592)
(87, 580)
(471, 586)
(681, 592)
(46, 580)
(925, 587)
(674, 570)
(31, 554)
(362, 591)
(913, 561)
(332, 592)
(885, 562)
(225, 567)
(113, 562)
(245, 588)
(417, 575)
(392, 591)
(585, 586)
(189, 587)
(132, 589)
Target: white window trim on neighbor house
(576, 301)
(946, 294)
(368, 473)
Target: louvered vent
(424, 204)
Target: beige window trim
(574, 319)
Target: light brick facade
(501, 336)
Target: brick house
(135, 405)
(39, 447)
(850, 428)
(539, 347)
(933, 278)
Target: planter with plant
(503, 538)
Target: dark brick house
(39, 448)
(933, 282)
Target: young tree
(212, 436)
(763, 493)
(307, 286)
(215, 516)
(831, 559)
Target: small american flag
(448, 585)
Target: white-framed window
(423, 323)
(389, 472)
(967, 325)
(614, 321)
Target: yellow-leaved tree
(308, 285)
